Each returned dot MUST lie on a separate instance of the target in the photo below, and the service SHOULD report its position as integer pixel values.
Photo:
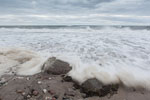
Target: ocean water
(112, 54)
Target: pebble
(28, 78)
(51, 92)
(39, 82)
(28, 96)
(56, 96)
(20, 77)
(66, 98)
(83, 95)
(19, 91)
(70, 94)
(35, 93)
(2, 81)
(23, 93)
(67, 78)
(44, 90)
(53, 98)
(48, 98)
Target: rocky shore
(54, 84)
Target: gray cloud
(74, 12)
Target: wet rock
(2, 81)
(93, 87)
(56, 67)
(67, 79)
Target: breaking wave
(112, 55)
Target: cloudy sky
(68, 12)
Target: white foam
(111, 55)
(19, 61)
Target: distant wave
(76, 27)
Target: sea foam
(112, 55)
(19, 61)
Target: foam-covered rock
(56, 66)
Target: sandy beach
(53, 87)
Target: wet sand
(53, 87)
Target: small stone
(49, 78)
(83, 95)
(23, 93)
(44, 90)
(2, 81)
(35, 93)
(70, 93)
(56, 96)
(51, 92)
(19, 91)
(28, 78)
(28, 96)
(48, 98)
(73, 88)
(66, 98)
(67, 78)
(53, 98)
(39, 82)
(20, 77)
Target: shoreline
(53, 83)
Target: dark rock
(65, 98)
(67, 79)
(93, 87)
(56, 96)
(51, 92)
(76, 86)
(56, 67)
(2, 82)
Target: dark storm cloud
(74, 12)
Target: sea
(112, 54)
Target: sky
(74, 12)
